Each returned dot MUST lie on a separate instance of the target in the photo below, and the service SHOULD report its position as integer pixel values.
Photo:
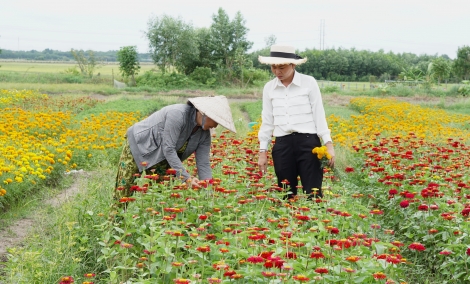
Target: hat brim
(279, 60)
(216, 108)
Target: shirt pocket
(147, 141)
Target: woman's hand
(331, 151)
(193, 182)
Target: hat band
(284, 55)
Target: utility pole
(322, 34)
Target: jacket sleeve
(203, 157)
(174, 124)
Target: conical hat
(217, 109)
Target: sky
(415, 26)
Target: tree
(172, 42)
(128, 62)
(439, 68)
(270, 40)
(412, 74)
(229, 40)
(462, 63)
(87, 64)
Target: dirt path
(13, 235)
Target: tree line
(220, 53)
(56, 55)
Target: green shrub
(164, 81)
(203, 75)
(465, 89)
(330, 89)
(255, 77)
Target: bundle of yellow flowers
(324, 157)
(322, 154)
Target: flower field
(40, 138)
(396, 212)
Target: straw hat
(217, 109)
(282, 54)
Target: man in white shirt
(293, 113)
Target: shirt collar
(296, 80)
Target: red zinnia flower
(349, 169)
(404, 204)
(66, 280)
(89, 275)
(126, 245)
(334, 231)
(274, 261)
(268, 274)
(229, 273)
(321, 270)
(181, 281)
(317, 255)
(353, 258)
(379, 275)
(433, 231)
(465, 212)
(417, 246)
(291, 255)
(468, 251)
(204, 249)
(376, 212)
(301, 278)
(266, 254)
(255, 259)
(433, 206)
(423, 207)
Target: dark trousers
(293, 157)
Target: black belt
(297, 133)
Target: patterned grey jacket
(163, 133)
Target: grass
(31, 202)
(460, 105)
(64, 88)
(129, 104)
(38, 67)
(60, 243)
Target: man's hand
(263, 162)
(331, 151)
